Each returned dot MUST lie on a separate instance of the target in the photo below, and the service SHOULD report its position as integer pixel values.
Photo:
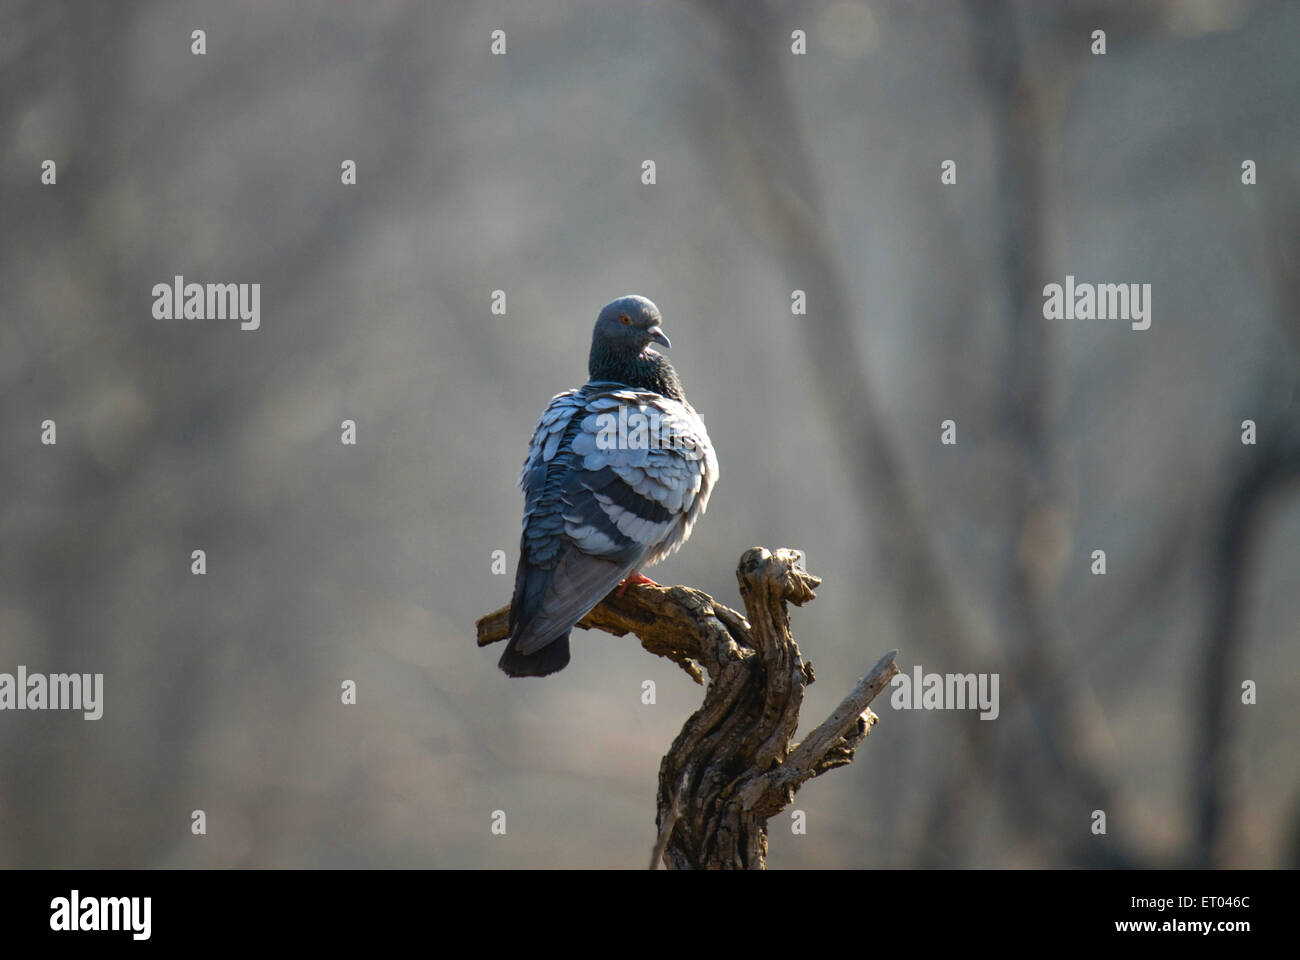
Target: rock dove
(617, 473)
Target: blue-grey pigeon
(617, 473)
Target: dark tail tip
(552, 658)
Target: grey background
(522, 172)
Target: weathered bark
(733, 767)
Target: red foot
(634, 578)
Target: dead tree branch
(733, 766)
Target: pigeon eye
(626, 320)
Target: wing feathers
(580, 582)
(614, 481)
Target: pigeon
(617, 473)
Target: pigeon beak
(657, 335)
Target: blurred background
(522, 173)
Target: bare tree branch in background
(787, 204)
(1269, 469)
(1027, 145)
(1218, 687)
(780, 191)
(106, 136)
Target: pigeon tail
(531, 583)
(552, 658)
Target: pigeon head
(620, 347)
(629, 325)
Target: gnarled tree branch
(733, 767)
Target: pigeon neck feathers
(647, 370)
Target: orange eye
(626, 320)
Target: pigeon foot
(634, 578)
